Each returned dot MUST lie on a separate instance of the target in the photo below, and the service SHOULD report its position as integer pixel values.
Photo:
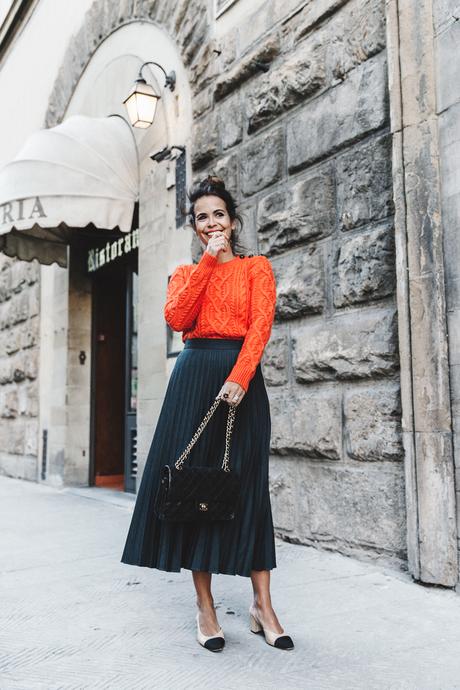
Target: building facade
(335, 123)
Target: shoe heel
(254, 625)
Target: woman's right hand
(217, 242)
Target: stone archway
(113, 32)
(186, 21)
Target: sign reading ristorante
(112, 250)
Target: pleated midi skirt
(233, 547)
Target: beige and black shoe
(279, 640)
(215, 643)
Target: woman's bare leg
(262, 600)
(205, 602)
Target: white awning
(82, 173)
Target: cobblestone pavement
(73, 617)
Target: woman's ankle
(205, 604)
(262, 604)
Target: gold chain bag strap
(202, 493)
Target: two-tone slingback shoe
(215, 643)
(279, 640)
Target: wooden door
(109, 317)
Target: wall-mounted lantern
(142, 100)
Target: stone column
(427, 426)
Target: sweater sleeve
(262, 288)
(186, 289)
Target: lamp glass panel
(131, 106)
(146, 107)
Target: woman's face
(211, 215)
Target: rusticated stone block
(196, 248)
(247, 234)
(6, 371)
(12, 341)
(283, 493)
(228, 49)
(14, 437)
(34, 300)
(262, 162)
(281, 428)
(227, 169)
(263, 18)
(25, 365)
(357, 345)
(10, 406)
(30, 333)
(205, 139)
(346, 112)
(365, 268)
(364, 184)
(205, 67)
(31, 437)
(355, 34)
(28, 400)
(299, 77)
(355, 506)
(290, 217)
(202, 102)
(18, 308)
(301, 283)
(5, 282)
(317, 425)
(307, 424)
(373, 423)
(312, 14)
(231, 122)
(275, 359)
(247, 67)
(190, 41)
(4, 317)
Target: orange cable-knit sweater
(235, 299)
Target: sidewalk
(73, 617)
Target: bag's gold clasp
(203, 506)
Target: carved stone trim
(423, 345)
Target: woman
(224, 305)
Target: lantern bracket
(170, 79)
(167, 153)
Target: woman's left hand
(232, 393)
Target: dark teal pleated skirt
(233, 547)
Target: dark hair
(215, 186)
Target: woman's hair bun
(213, 181)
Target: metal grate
(133, 453)
(44, 453)
(181, 191)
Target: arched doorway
(107, 430)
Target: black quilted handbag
(188, 494)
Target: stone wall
(447, 36)
(19, 332)
(294, 114)
(291, 107)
